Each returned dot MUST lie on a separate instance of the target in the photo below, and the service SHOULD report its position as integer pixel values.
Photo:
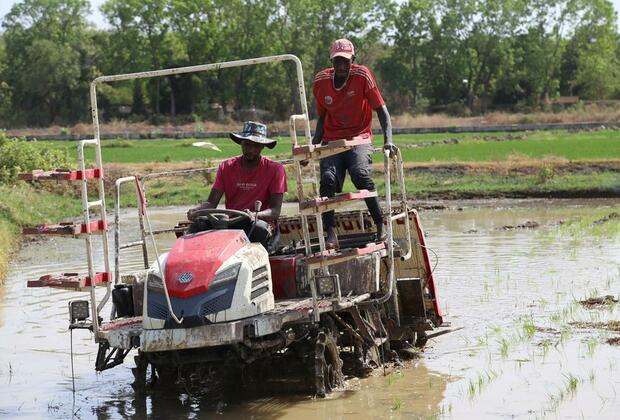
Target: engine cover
(194, 260)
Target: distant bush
(545, 174)
(421, 106)
(457, 109)
(22, 156)
(122, 144)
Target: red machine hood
(198, 257)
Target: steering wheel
(221, 217)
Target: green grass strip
(471, 147)
(23, 206)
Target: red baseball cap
(341, 48)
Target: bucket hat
(255, 132)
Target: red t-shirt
(242, 187)
(348, 110)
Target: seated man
(246, 179)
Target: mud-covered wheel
(140, 372)
(327, 364)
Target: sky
(97, 18)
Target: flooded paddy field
(512, 273)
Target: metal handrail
(117, 226)
(300, 191)
(403, 201)
(86, 206)
(391, 279)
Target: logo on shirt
(329, 100)
(246, 186)
(351, 93)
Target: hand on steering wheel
(218, 217)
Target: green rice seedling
(504, 347)
(486, 378)
(565, 333)
(594, 293)
(592, 376)
(529, 328)
(497, 276)
(542, 303)
(545, 345)
(396, 404)
(591, 344)
(521, 362)
(574, 252)
(571, 383)
(472, 390)
(482, 340)
(594, 316)
(611, 305)
(569, 389)
(393, 377)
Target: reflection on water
(362, 397)
(514, 291)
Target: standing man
(248, 178)
(346, 94)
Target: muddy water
(515, 292)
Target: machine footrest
(67, 229)
(331, 257)
(322, 204)
(69, 281)
(121, 323)
(317, 151)
(61, 175)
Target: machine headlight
(78, 311)
(326, 285)
(226, 275)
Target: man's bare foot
(332, 239)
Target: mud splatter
(615, 341)
(609, 217)
(595, 302)
(546, 330)
(530, 224)
(612, 325)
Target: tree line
(459, 56)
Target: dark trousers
(357, 162)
